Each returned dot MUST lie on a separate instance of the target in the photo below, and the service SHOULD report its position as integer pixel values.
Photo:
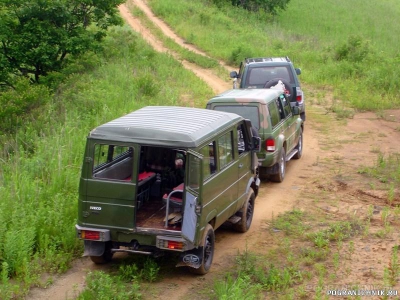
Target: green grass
(350, 50)
(302, 260)
(103, 286)
(40, 163)
(328, 22)
(386, 169)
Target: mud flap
(93, 248)
(192, 258)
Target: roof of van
(248, 95)
(166, 126)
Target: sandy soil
(325, 168)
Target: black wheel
(105, 258)
(282, 168)
(208, 244)
(247, 212)
(303, 116)
(288, 87)
(299, 146)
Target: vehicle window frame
(286, 105)
(194, 168)
(112, 158)
(209, 161)
(223, 144)
(241, 138)
(274, 111)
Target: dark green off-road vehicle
(163, 179)
(265, 72)
(277, 122)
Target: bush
(355, 49)
(270, 6)
(238, 54)
(16, 103)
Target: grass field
(350, 47)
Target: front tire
(247, 214)
(282, 168)
(208, 244)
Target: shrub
(16, 103)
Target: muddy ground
(325, 180)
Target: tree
(270, 6)
(37, 35)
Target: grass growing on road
(386, 169)
(185, 54)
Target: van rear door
(110, 191)
(192, 207)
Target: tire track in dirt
(217, 84)
(167, 31)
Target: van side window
(194, 172)
(209, 165)
(225, 149)
(112, 162)
(274, 113)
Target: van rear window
(259, 76)
(247, 112)
(112, 162)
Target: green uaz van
(163, 178)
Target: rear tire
(208, 244)
(105, 258)
(282, 168)
(247, 214)
(299, 146)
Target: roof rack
(266, 59)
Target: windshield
(247, 112)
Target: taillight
(299, 95)
(170, 244)
(90, 235)
(175, 245)
(270, 145)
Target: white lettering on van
(95, 208)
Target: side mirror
(233, 74)
(298, 71)
(256, 141)
(296, 110)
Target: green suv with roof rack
(265, 72)
(276, 122)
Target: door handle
(240, 166)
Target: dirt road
(320, 160)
